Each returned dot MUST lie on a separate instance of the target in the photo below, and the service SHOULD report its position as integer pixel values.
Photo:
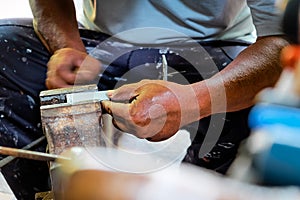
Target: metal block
(68, 125)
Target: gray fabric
(163, 21)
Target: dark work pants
(23, 72)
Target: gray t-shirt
(164, 21)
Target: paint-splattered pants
(23, 61)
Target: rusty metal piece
(68, 125)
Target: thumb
(119, 111)
(106, 107)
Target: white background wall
(14, 8)
(21, 8)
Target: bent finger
(115, 109)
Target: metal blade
(73, 98)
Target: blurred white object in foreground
(184, 182)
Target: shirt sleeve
(267, 18)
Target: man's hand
(67, 67)
(152, 109)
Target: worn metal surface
(72, 125)
(68, 125)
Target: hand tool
(34, 143)
(33, 155)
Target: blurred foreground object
(87, 181)
(290, 55)
(271, 154)
(287, 89)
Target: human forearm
(56, 25)
(255, 68)
(55, 22)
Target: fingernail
(110, 93)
